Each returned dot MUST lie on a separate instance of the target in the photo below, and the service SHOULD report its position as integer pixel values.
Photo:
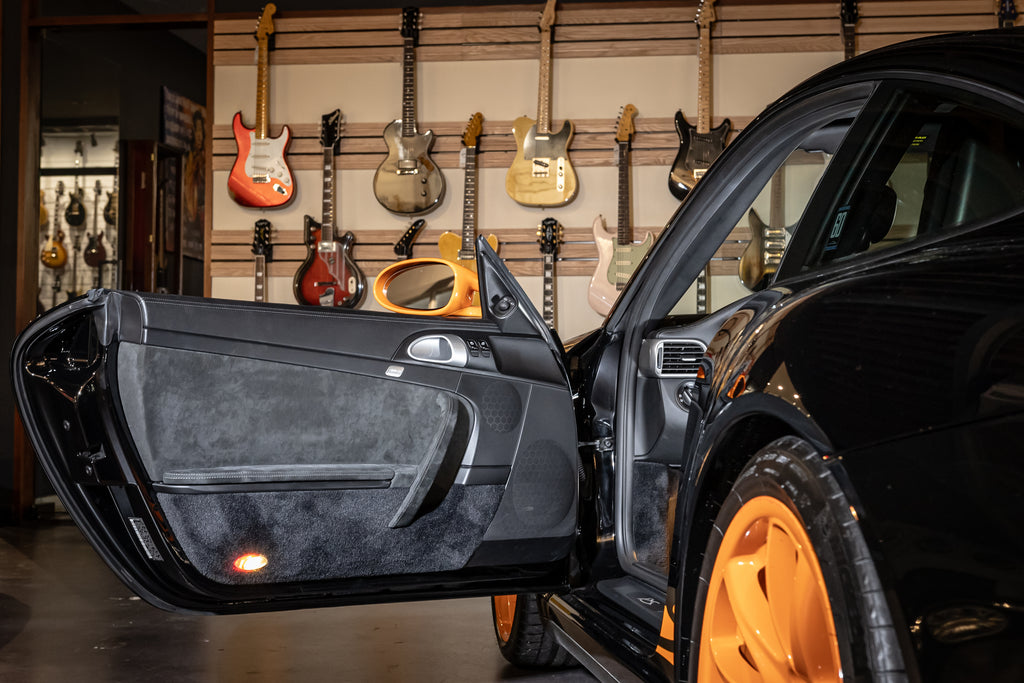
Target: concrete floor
(64, 615)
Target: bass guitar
(617, 256)
(262, 252)
(549, 236)
(408, 181)
(54, 254)
(699, 145)
(541, 173)
(403, 247)
(328, 276)
(462, 250)
(260, 176)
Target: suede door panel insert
(204, 419)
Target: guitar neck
(549, 290)
(704, 81)
(468, 251)
(262, 88)
(327, 225)
(544, 87)
(625, 231)
(260, 273)
(704, 289)
(776, 216)
(849, 40)
(409, 88)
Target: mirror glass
(423, 288)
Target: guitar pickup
(407, 167)
(541, 168)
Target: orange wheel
(504, 615)
(782, 601)
(767, 612)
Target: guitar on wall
(403, 247)
(408, 181)
(1007, 13)
(767, 243)
(328, 276)
(848, 16)
(462, 249)
(701, 144)
(260, 176)
(541, 173)
(95, 253)
(54, 254)
(617, 256)
(549, 236)
(263, 252)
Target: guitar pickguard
(541, 173)
(408, 181)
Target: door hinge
(603, 444)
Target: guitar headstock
(330, 130)
(471, 136)
(403, 247)
(848, 13)
(547, 19)
(265, 23)
(98, 189)
(549, 236)
(625, 128)
(411, 23)
(1007, 13)
(261, 239)
(705, 13)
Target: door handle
(444, 349)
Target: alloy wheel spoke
(753, 615)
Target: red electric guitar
(328, 276)
(260, 176)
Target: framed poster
(184, 128)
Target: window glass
(938, 164)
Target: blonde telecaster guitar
(462, 249)
(617, 255)
(541, 173)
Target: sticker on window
(837, 228)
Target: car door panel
(184, 434)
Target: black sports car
(820, 478)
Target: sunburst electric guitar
(549, 237)
(260, 176)
(328, 276)
(54, 254)
(462, 249)
(541, 173)
(617, 255)
(408, 181)
(701, 144)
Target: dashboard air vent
(679, 358)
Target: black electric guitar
(263, 252)
(541, 173)
(699, 145)
(74, 214)
(328, 276)
(403, 247)
(95, 253)
(462, 249)
(848, 15)
(1007, 13)
(408, 181)
(549, 236)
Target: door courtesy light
(251, 562)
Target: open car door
(232, 457)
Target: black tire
(790, 471)
(530, 643)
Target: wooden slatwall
(649, 28)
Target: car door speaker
(543, 484)
(501, 407)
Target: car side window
(937, 163)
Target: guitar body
(696, 152)
(541, 173)
(408, 181)
(110, 210)
(763, 254)
(54, 254)
(260, 176)
(95, 253)
(74, 215)
(450, 244)
(615, 263)
(328, 276)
